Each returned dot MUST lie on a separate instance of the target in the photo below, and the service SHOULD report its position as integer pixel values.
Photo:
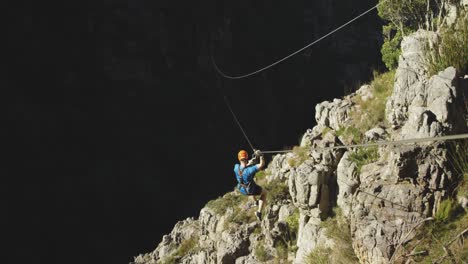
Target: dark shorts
(253, 190)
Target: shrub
(318, 255)
(363, 156)
(186, 247)
(391, 49)
(277, 190)
(337, 228)
(404, 14)
(446, 210)
(260, 252)
(436, 239)
(458, 157)
(260, 177)
(293, 224)
(229, 200)
(281, 250)
(371, 112)
(301, 154)
(240, 216)
(451, 49)
(350, 133)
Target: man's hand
(258, 153)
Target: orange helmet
(242, 155)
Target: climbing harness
(294, 53)
(241, 179)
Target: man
(245, 172)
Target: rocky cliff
(354, 205)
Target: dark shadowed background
(116, 126)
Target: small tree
(404, 14)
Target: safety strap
(241, 179)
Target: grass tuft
(451, 49)
(371, 112)
(277, 190)
(447, 210)
(301, 154)
(437, 238)
(260, 252)
(458, 157)
(363, 156)
(337, 228)
(319, 255)
(186, 247)
(222, 204)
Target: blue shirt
(247, 176)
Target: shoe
(258, 215)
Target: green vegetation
(325, 131)
(301, 154)
(277, 190)
(350, 133)
(293, 224)
(446, 211)
(391, 47)
(404, 15)
(230, 200)
(320, 255)
(288, 243)
(260, 252)
(458, 157)
(240, 216)
(440, 241)
(186, 247)
(451, 49)
(371, 112)
(260, 177)
(363, 156)
(337, 228)
(281, 251)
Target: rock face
(382, 200)
(422, 106)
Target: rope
(294, 53)
(238, 123)
(380, 143)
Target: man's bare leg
(262, 201)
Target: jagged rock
(463, 201)
(247, 260)
(279, 167)
(365, 92)
(383, 200)
(395, 196)
(422, 106)
(333, 114)
(311, 235)
(409, 78)
(233, 245)
(375, 134)
(348, 181)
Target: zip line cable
(381, 143)
(294, 53)
(238, 123)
